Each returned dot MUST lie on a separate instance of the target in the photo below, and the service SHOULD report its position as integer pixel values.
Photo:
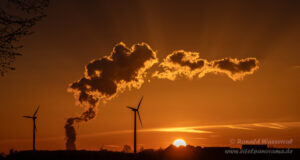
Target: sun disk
(179, 142)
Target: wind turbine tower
(136, 112)
(34, 127)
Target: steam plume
(107, 77)
(71, 133)
(181, 63)
(126, 67)
(234, 68)
(188, 64)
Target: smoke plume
(71, 133)
(234, 68)
(188, 64)
(181, 63)
(107, 77)
(126, 68)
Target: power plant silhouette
(34, 126)
(172, 152)
(136, 112)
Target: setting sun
(179, 142)
(150, 79)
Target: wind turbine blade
(140, 103)
(36, 111)
(131, 108)
(140, 118)
(27, 117)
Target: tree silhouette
(126, 148)
(142, 149)
(17, 17)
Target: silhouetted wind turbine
(34, 127)
(136, 111)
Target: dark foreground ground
(170, 153)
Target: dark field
(170, 153)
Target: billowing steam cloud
(181, 63)
(106, 77)
(127, 67)
(188, 64)
(234, 68)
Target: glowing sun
(179, 142)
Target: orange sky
(262, 105)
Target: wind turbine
(34, 126)
(136, 112)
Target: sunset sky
(212, 110)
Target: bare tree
(17, 17)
